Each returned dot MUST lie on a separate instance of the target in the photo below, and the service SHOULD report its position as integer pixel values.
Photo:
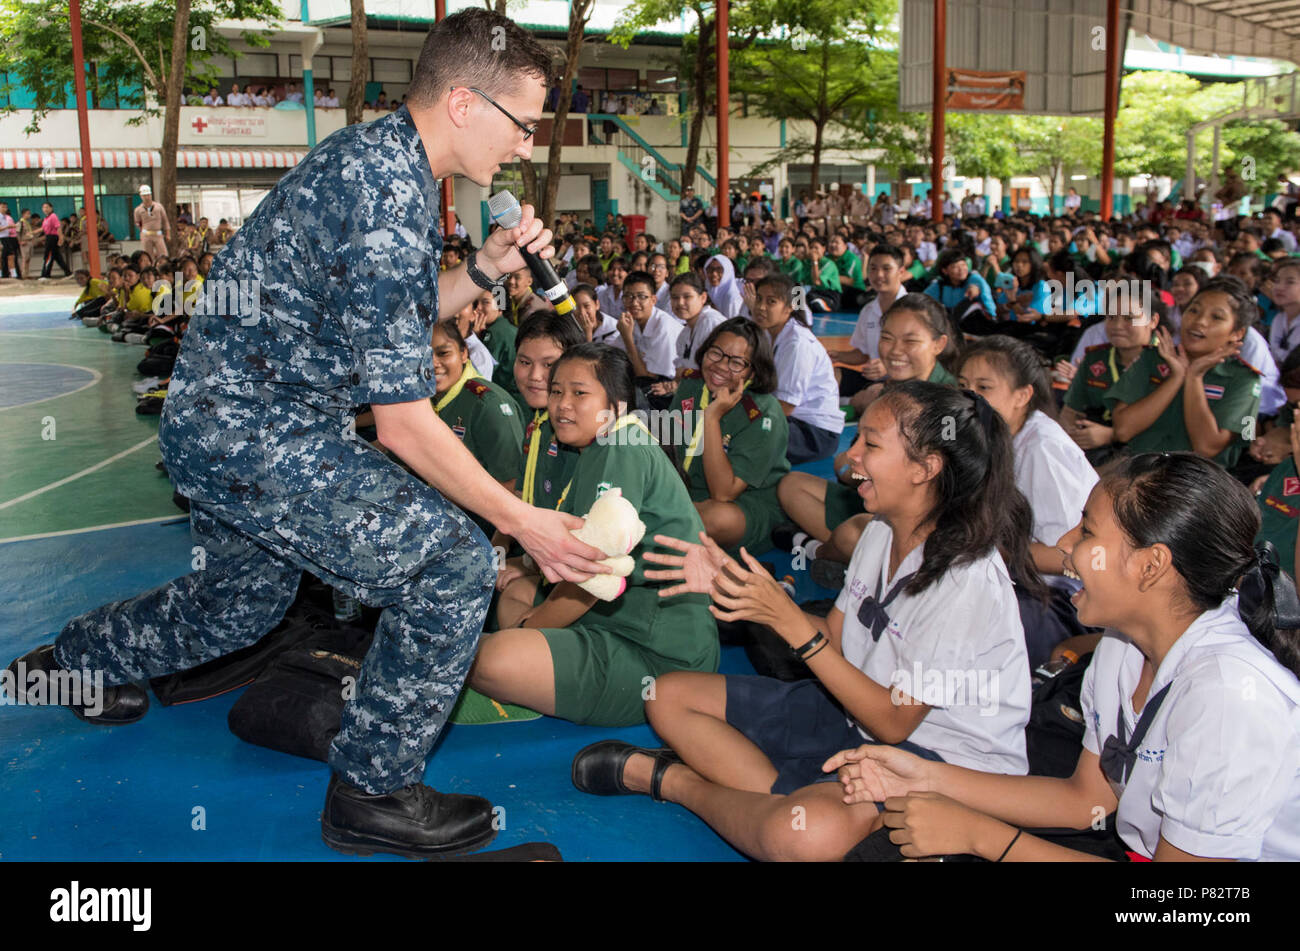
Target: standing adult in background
(9, 253)
(51, 229)
(691, 209)
(258, 433)
(1072, 202)
(30, 236)
(152, 222)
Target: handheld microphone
(505, 211)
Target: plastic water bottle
(787, 585)
(1051, 668)
(346, 607)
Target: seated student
(1284, 332)
(93, 296)
(610, 294)
(573, 656)
(1153, 410)
(935, 464)
(914, 340)
(498, 336)
(848, 262)
(586, 270)
(956, 287)
(649, 334)
(663, 287)
(805, 382)
(521, 302)
(1183, 287)
(598, 327)
(823, 278)
(478, 411)
(790, 265)
(1051, 470)
(1175, 533)
(1278, 495)
(467, 318)
(1031, 297)
(690, 305)
(137, 306)
(95, 312)
(545, 466)
(886, 274)
(1085, 417)
(737, 436)
(725, 294)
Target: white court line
(180, 516)
(77, 475)
(96, 376)
(81, 338)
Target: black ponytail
(1208, 520)
(978, 506)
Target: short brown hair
(479, 48)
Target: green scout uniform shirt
(1279, 508)
(940, 375)
(795, 269)
(1098, 372)
(1232, 389)
(755, 434)
(555, 463)
(487, 422)
(499, 338)
(850, 264)
(828, 275)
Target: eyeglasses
(737, 364)
(527, 130)
(639, 297)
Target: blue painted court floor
(178, 785)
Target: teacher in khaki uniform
(258, 433)
(151, 221)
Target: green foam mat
(475, 709)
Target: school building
(229, 157)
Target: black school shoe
(416, 822)
(122, 704)
(598, 768)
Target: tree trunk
(817, 158)
(530, 182)
(174, 98)
(820, 121)
(360, 62)
(701, 101)
(579, 12)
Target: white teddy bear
(614, 527)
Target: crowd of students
(1033, 478)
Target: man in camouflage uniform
(257, 432)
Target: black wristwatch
(477, 276)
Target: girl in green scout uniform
(737, 436)
(790, 265)
(853, 288)
(1279, 505)
(824, 278)
(499, 337)
(573, 656)
(1085, 416)
(481, 413)
(914, 340)
(1198, 395)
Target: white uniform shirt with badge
(1255, 352)
(1218, 772)
(866, 332)
(958, 647)
(1053, 473)
(479, 356)
(690, 338)
(609, 301)
(606, 332)
(657, 342)
(1283, 335)
(805, 378)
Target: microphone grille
(504, 209)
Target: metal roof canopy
(1054, 42)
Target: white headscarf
(726, 298)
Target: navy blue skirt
(798, 726)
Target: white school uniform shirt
(1053, 474)
(805, 378)
(480, 357)
(211, 100)
(690, 338)
(606, 332)
(927, 252)
(958, 647)
(1218, 772)
(1287, 239)
(662, 298)
(1283, 336)
(866, 332)
(609, 301)
(1254, 351)
(657, 342)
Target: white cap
(146, 190)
